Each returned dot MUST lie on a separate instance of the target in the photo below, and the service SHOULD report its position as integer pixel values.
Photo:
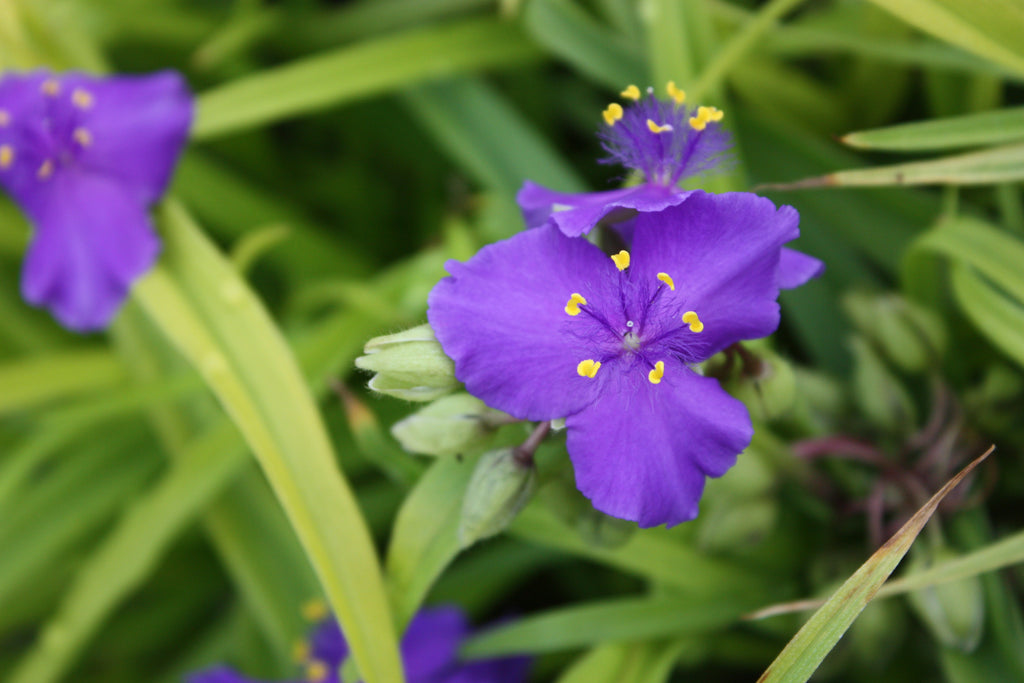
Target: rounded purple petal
(218, 674)
(328, 644)
(137, 127)
(796, 268)
(722, 252)
(501, 318)
(505, 670)
(641, 451)
(431, 642)
(92, 240)
(577, 214)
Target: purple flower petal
(92, 241)
(641, 451)
(723, 253)
(576, 214)
(84, 157)
(501, 317)
(328, 644)
(431, 642)
(218, 674)
(796, 268)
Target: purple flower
(429, 655)
(84, 157)
(545, 326)
(662, 140)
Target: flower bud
(879, 395)
(448, 426)
(499, 488)
(770, 392)
(911, 337)
(599, 529)
(409, 365)
(954, 612)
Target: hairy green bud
(499, 488)
(448, 426)
(409, 365)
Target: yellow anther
(50, 87)
(612, 114)
(6, 157)
(704, 116)
(82, 137)
(691, 319)
(667, 279)
(631, 92)
(675, 93)
(5, 118)
(588, 368)
(81, 98)
(314, 610)
(655, 128)
(621, 259)
(45, 171)
(657, 373)
(572, 307)
(300, 651)
(316, 671)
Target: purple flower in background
(545, 326)
(663, 140)
(429, 655)
(85, 157)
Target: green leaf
(42, 378)
(999, 318)
(624, 663)
(629, 619)
(985, 128)
(996, 254)
(991, 28)
(362, 70)
(423, 539)
(488, 137)
(218, 324)
(805, 652)
(997, 165)
(126, 557)
(566, 30)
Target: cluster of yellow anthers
(614, 111)
(51, 88)
(589, 367)
(316, 671)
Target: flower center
(662, 139)
(653, 330)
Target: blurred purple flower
(545, 326)
(429, 655)
(663, 140)
(85, 157)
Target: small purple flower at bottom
(545, 326)
(662, 140)
(429, 654)
(85, 157)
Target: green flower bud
(737, 524)
(448, 426)
(879, 395)
(771, 392)
(499, 488)
(409, 365)
(954, 612)
(599, 529)
(911, 337)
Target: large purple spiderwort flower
(429, 655)
(663, 140)
(545, 326)
(85, 157)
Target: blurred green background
(344, 150)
